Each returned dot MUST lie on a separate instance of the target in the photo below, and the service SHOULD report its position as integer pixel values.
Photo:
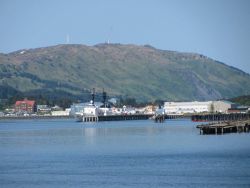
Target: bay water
(65, 153)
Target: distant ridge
(141, 72)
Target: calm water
(64, 153)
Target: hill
(242, 100)
(140, 72)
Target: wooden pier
(221, 117)
(175, 116)
(34, 117)
(225, 127)
(90, 118)
(159, 118)
(122, 117)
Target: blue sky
(219, 29)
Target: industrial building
(222, 106)
(197, 107)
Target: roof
(228, 102)
(87, 104)
(29, 102)
(245, 108)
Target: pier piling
(225, 127)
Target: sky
(219, 29)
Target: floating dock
(225, 127)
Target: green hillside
(141, 72)
(242, 100)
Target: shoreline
(34, 117)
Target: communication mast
(104, 97)
(93, 96)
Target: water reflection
(127, 153)
(173, 135)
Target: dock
(221, 117)
(121, 117)
(159, 118)
(34, 117)
(225, 127)
(124, 117)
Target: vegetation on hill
(140, 72)
(243, 100)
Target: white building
(197, 107)
(43, 109)
(84, 109)
(222, 106)
(61, 112)
(105, 111)
(187, 107)
(90, 110)
(1, 114)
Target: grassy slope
(135, 71)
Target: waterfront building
(128, 110)
(116, 111)
(198, 107)
(25, 106)
(85, 108)
(56, 108)
(239, 109)
(90, 110)
(65, 112)
(222, 106)
(43, 109)
(104, 111)
(149, 109)
(187, 107)
(76, 108)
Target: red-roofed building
(28, 106)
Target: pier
(122, 117)
(125, 117)
(34, 117)
(221, 117)
(175, 116)
(225, 127)
(90, 118)
(159, 118)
